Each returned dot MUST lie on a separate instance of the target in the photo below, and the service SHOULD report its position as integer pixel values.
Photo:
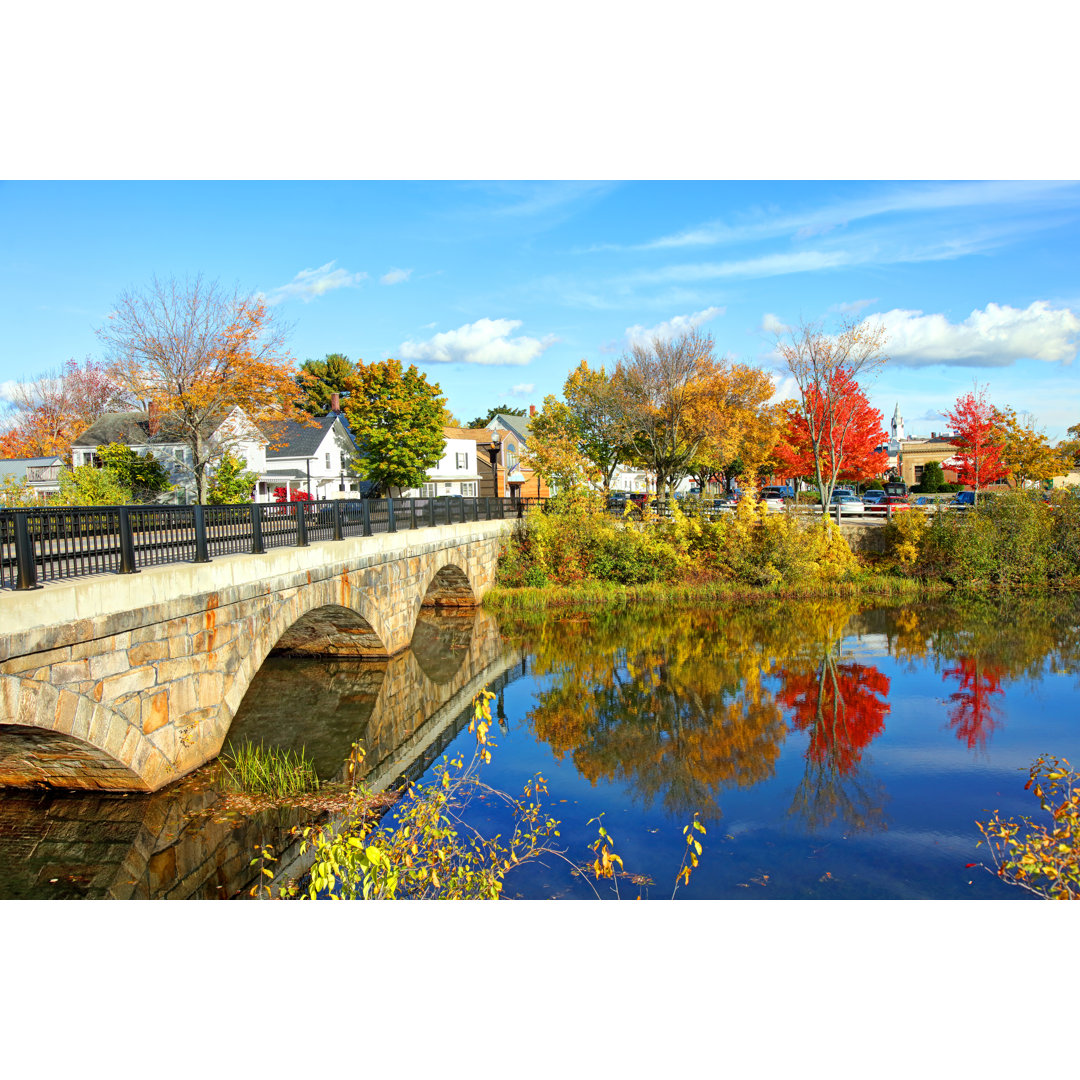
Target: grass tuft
(266, 770)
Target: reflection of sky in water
(913, 795)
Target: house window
(428, 491)
(918, 474)
(327, 459)
(448, 488)
(461, 461)
(468, 489)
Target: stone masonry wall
(130, 683)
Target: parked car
(890, 502)
(873, 496)
(781, 491)
(847, 502)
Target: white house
(150, 432)
(41, 474)
(316, 460)
(456, 472)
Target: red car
(882, 507)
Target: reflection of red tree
(973, 715)
(844, 707)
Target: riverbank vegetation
(574, 553)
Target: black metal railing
(57, 543)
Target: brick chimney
(532, 410)
(153, 417)
(335, 402)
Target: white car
(847, 502)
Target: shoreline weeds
(501, 600)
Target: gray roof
(292, 440)
(18, 466)
(519, 425)
(133, 429)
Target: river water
(833, 750)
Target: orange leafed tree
(196, 351)
(49, 411)
(849, 451)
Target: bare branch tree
(195, 351)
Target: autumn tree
(141, 474)
(825, 367)
(740, 428)
(49, 411)
(319, 380)
(195, 351)
(1025, 450)
(833, 435)
(978, 459)
(1069, 449)
(554, 450)
(587, 435)
(678, 400)
(396, 418)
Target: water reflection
(680, 707)
(177, 843)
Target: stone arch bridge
(126, 683)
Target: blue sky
(497, 289)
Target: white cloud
(770, 324)
(7, 390)
(995, 337)
(311, 283)
(486, 341)
(920, 198)
(852, 307)
(785, 388)
(522, 389)
(395, 276)
(680, 324)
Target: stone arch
(330, 630)
(339, 608)
(449, 585)
(58, 738)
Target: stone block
(155, 711)
(67, 705)
(128, 682)
(148, 651)
(106, 664)
(69, 671)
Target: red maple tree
(977, 460)
(849, 448)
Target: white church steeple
(896, 431)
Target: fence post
(487, 507)
(365, 516)
(839, 507)
(412, 510)
(335, 508)
(202, 553)
(127, 543)
(256, 530)
(391, 520)
(301, 524)
(888, 513)
(24, 554)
